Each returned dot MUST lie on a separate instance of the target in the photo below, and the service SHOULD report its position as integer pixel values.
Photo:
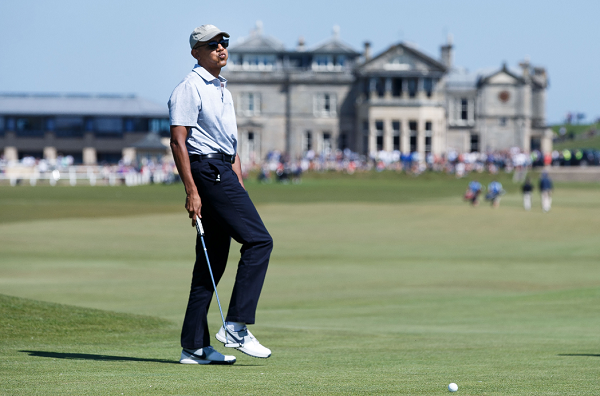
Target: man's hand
(193, 204)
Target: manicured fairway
(380, 285)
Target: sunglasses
(213, 45)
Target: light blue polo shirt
(202, 103)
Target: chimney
(525, 66)
(367, 53)
(446, 52)
(300, 46)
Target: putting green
(380, 295)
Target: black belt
(223, 157)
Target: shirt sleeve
(185, 105)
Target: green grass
(592, 143)
(379, 284)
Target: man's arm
(193, 204)
(237, 168)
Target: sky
(141, 47)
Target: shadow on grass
(579, 354)
(87, 356)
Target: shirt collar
(202, 72)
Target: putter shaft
(200, 231)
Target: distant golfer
(472, 193)
(495, 191)
(204, 141)
(527, 189)
(546, 191)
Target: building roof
(257, 42)
(334, 45)
(80, 105)
(505, 70)
(412, 61)
(461, 79)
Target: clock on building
(504, 96)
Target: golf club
(201, 233)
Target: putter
(201, 233)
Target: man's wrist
(191, 192)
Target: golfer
(204, 143)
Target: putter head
(232, 345)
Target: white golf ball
(453, 387)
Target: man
(495, 191)
(546, 192)
(527, 189)
(204, 145)
(473, 192)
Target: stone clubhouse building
(331, 96)
(320, 98)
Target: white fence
(85, 175)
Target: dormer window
(329, 62)
(322, 62)
(258, 62)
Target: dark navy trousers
(227, 212)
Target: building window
(10, 124)
(1, 124)
(412, 87)
(412, 126)
(396, 134)
(343, 141)
(329, 62)
(248, 152)
(428, 86)
(396, 87)
(249, 104)
(29, 126)
(327, 146)
(257, 62)
(307, 144)
(464, 109)
(380, 133)
(108, 126)
(380, 87)
(428, 133)
(159, 125)
(136, 124)
(323, 62)
(68, 126)
(474, 142)
(502, 121)
(324, 105)
(461, 111)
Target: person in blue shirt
(495, 191)
(472, 193)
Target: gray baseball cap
(205, 33)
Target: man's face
(211, 58)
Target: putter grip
(199, 226)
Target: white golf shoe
(206, 355)
(247, 342)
